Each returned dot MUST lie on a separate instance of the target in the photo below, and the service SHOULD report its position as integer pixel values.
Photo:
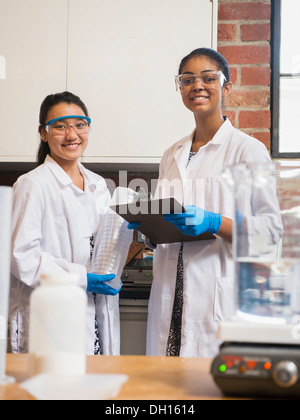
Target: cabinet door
(33, 40)
(122, 59)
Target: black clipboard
(150, 213)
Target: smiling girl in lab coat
(193, 287)
(58, 208)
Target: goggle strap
(66, 117)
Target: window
(285, 79)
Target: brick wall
(244, 39)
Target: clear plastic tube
(113, 241)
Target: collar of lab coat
(184, 146)
(222, 133)
(63, 177)
(218, 138)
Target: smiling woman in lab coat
(193, 287)
(58, 208)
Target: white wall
(119, 56)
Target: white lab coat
(208, 269)
(53, 222)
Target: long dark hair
(48, 103)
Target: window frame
(275, 83)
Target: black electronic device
(258, 370)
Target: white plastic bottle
(57, 326)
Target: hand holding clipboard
(150, 215)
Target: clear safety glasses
(209, 79)
(60, 127)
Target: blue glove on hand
(133, 226)
(195, 221)
(96, 284)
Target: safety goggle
(209, 79)
(58, 126)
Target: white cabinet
(33, 40)
(119, 56)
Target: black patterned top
(97, 345)
(174, 339)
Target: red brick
(255, 119)
(256, 32)
(244, 11)
(256, 76)
(249, 98)
(233, 75)
(227, 32)
(248, 54)
(230, 115)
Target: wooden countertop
(150, 378)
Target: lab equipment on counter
(266, 247)
(260, 354)
(5, 246)
(112, 242)
(57, 328)
(137, 279)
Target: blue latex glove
(96, 284)
(133, 226)
(195, 221)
